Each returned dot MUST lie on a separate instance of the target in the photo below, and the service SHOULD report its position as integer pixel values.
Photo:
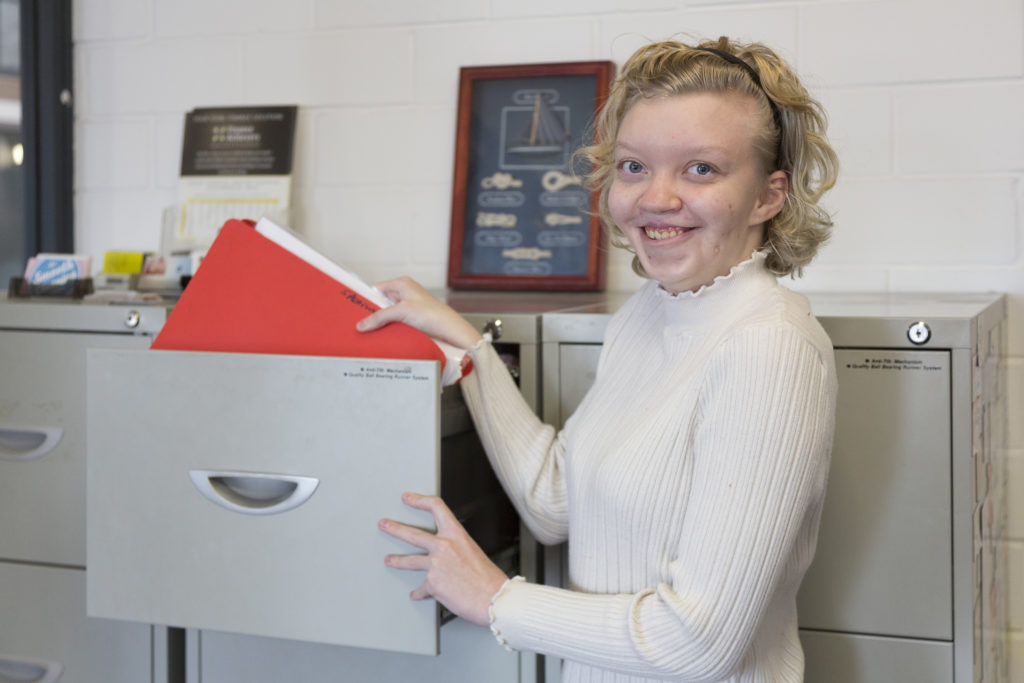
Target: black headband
(756, 77)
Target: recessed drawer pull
(26, 443)
(28, 671)
(253, 493)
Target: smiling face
(689, 190)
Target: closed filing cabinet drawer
(884, 562)
(852, 658)
(42, 442)
(469, 654)
(241, 493)
(45, 635)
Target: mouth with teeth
(663, 233)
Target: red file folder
(251, 295)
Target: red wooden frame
(603, 73)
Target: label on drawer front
(882, 362)
(403, 373)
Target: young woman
(690, 480)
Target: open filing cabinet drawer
(241, 493)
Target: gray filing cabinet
(256, 483)
(908, 581)
(44, 632)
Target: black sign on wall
(239, 141)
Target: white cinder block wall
(926, 99)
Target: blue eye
(632, 166)
(702, 168)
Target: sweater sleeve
(761, 443)
(526, 454)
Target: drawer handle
(253, 493)
(28, 671)
(26, 443)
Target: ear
(771, 199)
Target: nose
(661, 195)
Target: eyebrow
(700, 150)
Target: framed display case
(521, 216)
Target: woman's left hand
(459, 574)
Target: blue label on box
(55, 271)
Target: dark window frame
(47, 125)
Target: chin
(672, 279)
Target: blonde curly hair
(792, 137)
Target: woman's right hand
(417, 307)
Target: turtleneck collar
(727, 296)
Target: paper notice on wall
(236, 162)
(206, 202)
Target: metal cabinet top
(913, 320)
(79, 316)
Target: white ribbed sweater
(689, 483)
